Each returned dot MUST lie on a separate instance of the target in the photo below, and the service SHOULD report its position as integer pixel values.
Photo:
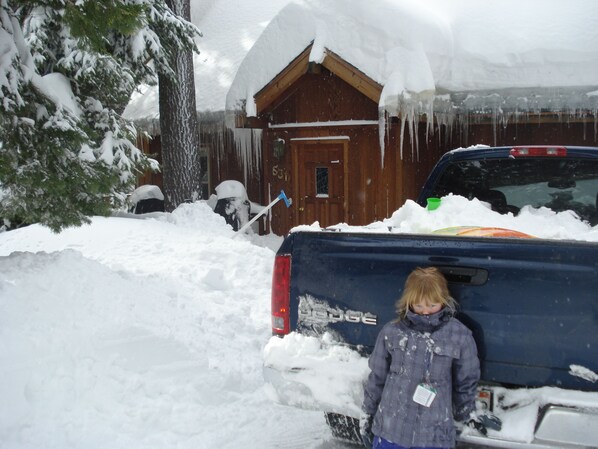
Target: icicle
(257, 145)
(243, 140)
(412, 137)
(403, 119)
(494, 125)
(416, 132)
(381, 133)
(388, 127)
(248, 144)
(430, 119)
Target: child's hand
(484, 421)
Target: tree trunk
(179, 127)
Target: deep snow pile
(139, 333)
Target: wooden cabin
(318, 126)
(321, 144)
(316, 136)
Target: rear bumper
(485, 442)
(556, 426)
(316, 374)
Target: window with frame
(322, 182)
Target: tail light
(281, 295)
(538, 151)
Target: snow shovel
(282, 196)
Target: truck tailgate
(532, 304)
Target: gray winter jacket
(436, 349)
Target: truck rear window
(509, 184)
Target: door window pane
(322, 182)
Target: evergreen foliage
(67, 70)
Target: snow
(345, 367)
(151, 331)
(132, 332)
(417, 50)
(146, 192)
(583, 373)
(54, 86)
(57, 87)
(231, 189)
(406, 46)
(136, 332)
(456, 210)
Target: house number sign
(281, 173)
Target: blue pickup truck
(531, 303)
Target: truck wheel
(343, 427)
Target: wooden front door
(321, 184)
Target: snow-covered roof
(523, 55)
(229, 28)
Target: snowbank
(140, 333)
(456, 210)
(333, 373)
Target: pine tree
(178, 124)
(67, 69)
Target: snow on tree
(178, 124)
(67, 70)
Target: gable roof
(301, 64)
(440, 56)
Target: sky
(151, 332)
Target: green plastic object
(433, 203)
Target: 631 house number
(280, 173)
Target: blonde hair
(425, 285)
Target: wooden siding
(374, 190)
(224, 160)
(279, 88)
(151, 147)
(283, 81)
(566, 132)
(352, 76)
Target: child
(424, 370)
